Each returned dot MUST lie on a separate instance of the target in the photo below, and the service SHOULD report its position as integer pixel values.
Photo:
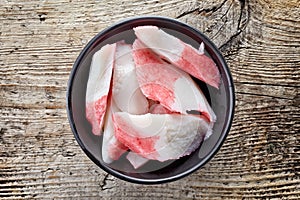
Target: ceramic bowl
(222, 101)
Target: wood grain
(40, 40)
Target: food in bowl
(146, 171)
(142, 98)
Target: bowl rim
(219, 142)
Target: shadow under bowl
(222, 101)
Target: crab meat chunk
(171, 87)
(159, 109)
(98, 86)
(112, 149)
(160, 136)
(126, 91)
(182, 55)
(126, 96)
(136, 160)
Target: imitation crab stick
(98, 86)
(170, 86)
(136, 160)
(160, 136)
(126, 96)
(112, 149)
(126, 91)
(180, 54)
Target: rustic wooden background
(40, 40)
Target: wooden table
(40, 40)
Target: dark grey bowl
(222, 102)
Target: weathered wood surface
(39, 41)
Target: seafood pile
(143, 100)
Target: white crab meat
(180, 54)
(126, 91)
(160, 136)
(159, 109)
(136, 160)
(170, 86)
(112, 149)
(126, 96)
(98, 86)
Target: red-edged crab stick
(182, 55)
(172, 87)
(98, 86)
(126, 96)
(160, 136)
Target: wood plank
(39, 42)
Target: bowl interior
(221, 101)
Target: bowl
(222, 101)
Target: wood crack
(242, 3)
(264, 95)
(226, 12)
(268, 84)
(240, 27)
(103, 184)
